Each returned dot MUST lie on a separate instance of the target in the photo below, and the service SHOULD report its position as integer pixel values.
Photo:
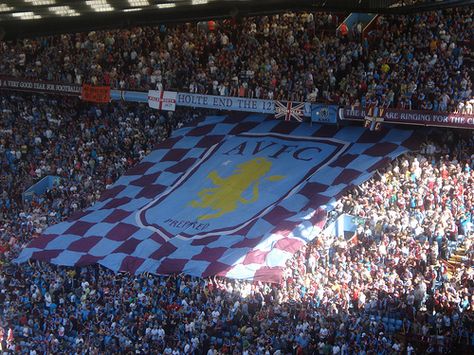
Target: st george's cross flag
(232, 196)
(162, 100)
(289, 110)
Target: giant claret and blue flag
(232, 196)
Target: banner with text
(231, 103)
(318, 112)
(412, 117)
(162, 100)
(39, 86)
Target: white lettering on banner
(414, 117)
(39, 86)
(458, 120)
(65, 88)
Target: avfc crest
(235, 182)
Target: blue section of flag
(324, 113)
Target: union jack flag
(289, 109)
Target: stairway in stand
(459, 258)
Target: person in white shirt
(215, 314)
(161, 333)
(195, 342)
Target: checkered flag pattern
(109, 234)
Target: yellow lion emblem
(228, 191)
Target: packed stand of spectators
(419, 61)
(423, 61)
(385, 291)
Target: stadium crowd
(419, 61)
(388, 290)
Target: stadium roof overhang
(24, 18)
